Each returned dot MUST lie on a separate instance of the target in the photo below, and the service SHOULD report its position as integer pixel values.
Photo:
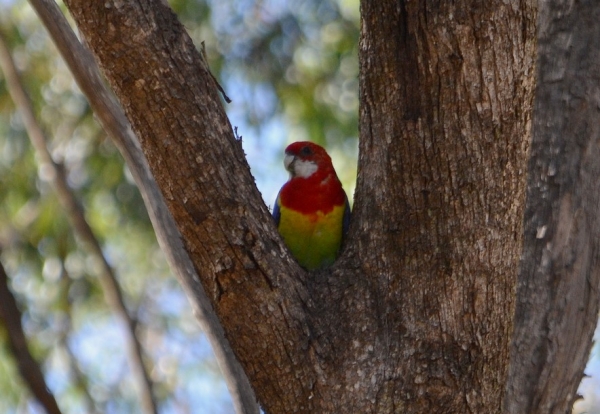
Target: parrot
(311, 211)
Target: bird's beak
(288, 162)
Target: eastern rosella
(311, 211)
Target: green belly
(314, 239)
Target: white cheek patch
(304, 169)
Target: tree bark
(558, 296)
(114, 122)
(172, 103)
(416, 316)
(446, 94)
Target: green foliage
(301, 56)
(291, 70)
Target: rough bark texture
(416, 316)
(446, 94)
(174, 108)
(558, 294)
(114, 122)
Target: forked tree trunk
(416, 316)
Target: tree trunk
(446, 94)
(416, 316)
(558, 296)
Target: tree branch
(75, 213)
(10, 315)
(117, 126)
(173, 105)
(558, 294)
(79, 379)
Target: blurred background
(291, 70)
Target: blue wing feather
(276, 212)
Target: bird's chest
(309, 226)
(314, 238)
(313, 198)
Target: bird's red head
(314, 185)
(303, 159)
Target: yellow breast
(314, 239)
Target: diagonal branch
(81, 382)
(172, 102)
(75, 213)
(114, 122)
(10, 317)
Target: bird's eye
(306, 151)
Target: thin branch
(78, 377)
(75, 213)
(203, 54)
(114, 122)
(10, 316)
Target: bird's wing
(276, 212)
